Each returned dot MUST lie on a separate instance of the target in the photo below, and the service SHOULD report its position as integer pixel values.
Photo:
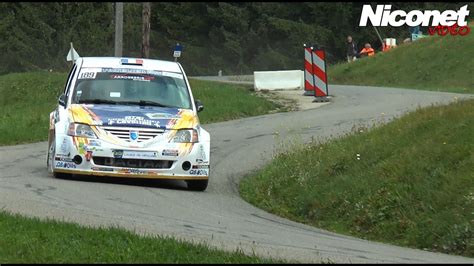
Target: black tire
(62, 175)
(197, 185)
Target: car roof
(115, 62)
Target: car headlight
(81, 130)
(185, 136)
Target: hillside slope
(408, 183)
(441, 63)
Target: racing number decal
(87, 75)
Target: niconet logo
(441, 23)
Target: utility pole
(118, 29)
(146, 30)
(378, 34)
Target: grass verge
(409, 182)
(28, 98)
(223, 101)
(30, 240)
(437, 63)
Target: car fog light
(186, 166)
(77, 159)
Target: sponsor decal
(104, 169)
(68, 165)
(117, 153)
(90, 149)
(202, 158)
(87, 75)
(140, 154)
(130, 70)
(200, 166)
(155, 117)
(441, 23)
(169, 152)
(63, 159)
(161, 116)
(132, 77)
(94, 143)
(63, 149)
(82, 146)
(198, 172)
(142, 71)
(140, 120)
(132, 171)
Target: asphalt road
(219, 216)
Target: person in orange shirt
(367, 51)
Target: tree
(235, 37)
(146, 30)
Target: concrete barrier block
(278, 80)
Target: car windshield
(122, 86)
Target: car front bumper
(83, 156)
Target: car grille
(123, 133)
(133, 163)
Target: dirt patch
(291, 100)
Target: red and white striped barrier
(308, 71)
(315, 75)
(319, 73)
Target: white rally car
(128, 117)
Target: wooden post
(146, 30)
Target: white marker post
(72, 55)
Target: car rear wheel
(50, 162)
(197, 185)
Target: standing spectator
(367, 51)
(351, 49)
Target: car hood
(133, 116)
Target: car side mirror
(199, 105)
(62, 100)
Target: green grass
(26, 101)
(28, 98)
(30, 240)
(438, 63)
(224, 101)
(412, 186)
